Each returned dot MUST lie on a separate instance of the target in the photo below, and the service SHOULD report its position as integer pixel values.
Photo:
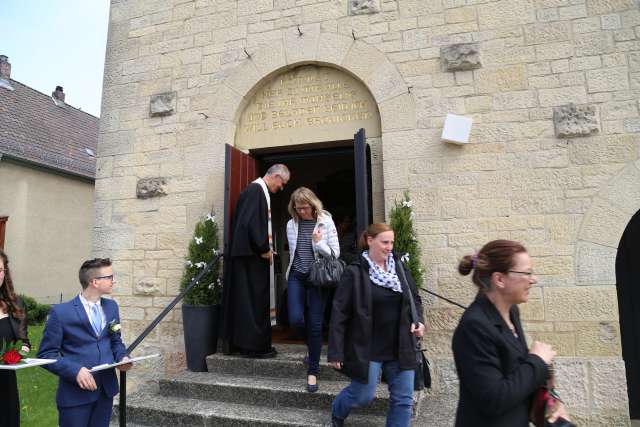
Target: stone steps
(263, 391)
(146, 409)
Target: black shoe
(269, 354)
(312, 388)
(336, 422)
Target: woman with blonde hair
(311, 233)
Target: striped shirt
(304, 250)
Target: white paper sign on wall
(457, 129)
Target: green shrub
(36, 313)
(406, 245)
(203, 247)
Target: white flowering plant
(406, 245)
(203, 247)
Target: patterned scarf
(386, 279)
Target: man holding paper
(80, 334)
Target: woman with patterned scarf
(371, 329)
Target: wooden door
(3, 225)
(240, 170)
(362, 168)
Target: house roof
(34, 129)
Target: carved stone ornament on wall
(572, 120)
(151, 187)
(460, 57)
(363, 7)
(163, 104)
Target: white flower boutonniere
(114, 327)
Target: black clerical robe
(246, 320)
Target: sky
(57, 43)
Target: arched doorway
(628, 287)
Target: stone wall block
(604, 224)
(149, 286)
(573, 381)
(151, 187)
(333, 48)
(501, 79)
(610, 79)
(398, 113)
(163, 104)
(460, 57)
(624, 190)
(598, 339)
(386, 82)
(269, 57)
(301, 47)
(595, 264)
(363, 59)
(243, 77)
(364, 7)
(609, 379)
(584, 303)
(575, 120)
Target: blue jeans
(400, 385)
(300, 295)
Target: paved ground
(635, 423)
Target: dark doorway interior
(628, 287)
(328, 170)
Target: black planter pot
(201, 324)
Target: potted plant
(201, 306)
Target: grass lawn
(37, 389)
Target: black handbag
(325, 272)
(422, 378)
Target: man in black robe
(246, 293)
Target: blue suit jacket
(69, 338)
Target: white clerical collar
(263, 184)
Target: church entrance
(628, 287)
(338, 172)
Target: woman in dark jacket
(371, 297)
(498, 374)
(13, 327)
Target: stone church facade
(552, 160)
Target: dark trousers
(96, 414)
(300, 295)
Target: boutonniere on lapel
(114, 327)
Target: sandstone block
(609, 375)
(460, 57)
(604, 224)
(598, 339)
(599, 7)
(572, 121)
(595, 264)
(592, 303)
(149, 286)
(573, 381)
(503, 79)
(624, 191)
(547, 33)
(151, 187)
(398, 113)
(505, 13)
(560, 96)
(610, 79)
(364, 7)
(301, 47)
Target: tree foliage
(203, 247)
(406, 245)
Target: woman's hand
(560, 412)
(543, 351)
(417, 331)
(336, 365)
(317, 234)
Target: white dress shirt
(88, 305)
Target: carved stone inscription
(307, 104)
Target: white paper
(124, 362)
(28, 364)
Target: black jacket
(19, 326)
(350, 333)
(497, 374)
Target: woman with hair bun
(13, 327)
(371, 329)
(498, 374)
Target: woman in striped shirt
(311, 233)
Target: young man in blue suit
(80, 334)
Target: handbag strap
(405, 282)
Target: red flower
(11, 357)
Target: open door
(240, 170)
(362, 156)
(628, 287)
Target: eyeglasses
(302, 208)
(109, 277)
(526, 273)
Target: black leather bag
(325, 272)
(422, 377)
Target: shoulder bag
(325, 272)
